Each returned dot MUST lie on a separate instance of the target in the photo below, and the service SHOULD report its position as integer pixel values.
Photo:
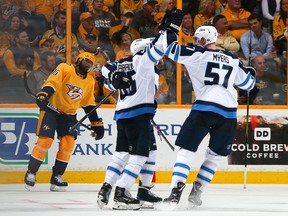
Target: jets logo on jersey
(17, 137)
(74, 92)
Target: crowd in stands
(33, 40)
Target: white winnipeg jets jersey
(138, 99)
(214, 74)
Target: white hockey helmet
(208, 32)
(140, 44)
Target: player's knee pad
(137, 160)
(120, 158)
(42, 145)
(152, 156)
(66, 147)
(185, 156)
(212, 156)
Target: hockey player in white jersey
(120, 159)
(214, 74)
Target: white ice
(80, 200)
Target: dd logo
(262, 134)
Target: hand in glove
(172, 21)
(98, 129)
(42, 99)
(120, 80)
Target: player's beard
(82, 70)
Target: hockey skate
(29, 179)
(146, 197)
(124, 201)
(195, 195)
(175, 194)
(57, 183)
(103, 195)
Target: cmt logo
(262, 134)
(17, 137)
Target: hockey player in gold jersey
(68, 88)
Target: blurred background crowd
(33, 40)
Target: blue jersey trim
(134, 112)
(230, 113)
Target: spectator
(39, 76)
(10, 7)
(158, 18)
(18, 58)
(256, 42)
(13, 25)
(220, 6)
(167, 5)
(90, 45)
(75, 8)
(48, 8)
(270, 8)
(187, 29)
(58, 34)
(134, 5)
(280, 28)
(115, 32)
(143, 20)
(225, 40)
(86, 27)
(21, 57)
(237, 18)
(74, 53)
(124, 52)
(45, 45)
(103, 21)
(265, 90)
(205, 13)
(162, 94)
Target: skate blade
(148, 205)
(124, 206)
(100, 203)
(56, 188)
(192, 204)
(28, 187)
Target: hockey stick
(103, 54)
(91, 111)
(50, 106)
(161, 133)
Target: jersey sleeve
(56, 77)
(244, 79)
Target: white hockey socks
(182, 166)
(208, 169)
(115, 167)
(131, 171)
(147, 171)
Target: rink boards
(266, 153)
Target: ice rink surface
(80, 200)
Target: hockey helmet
(85, 55)
(140, 44)
(208, 32)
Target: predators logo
(74, 92)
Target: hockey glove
(42, 99)
(98, 129)
(172, 21)
(120, 80)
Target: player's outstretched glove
(172, 21)
(98, 129)
(42, 99)
(120, 80)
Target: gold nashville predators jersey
(71, 91)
